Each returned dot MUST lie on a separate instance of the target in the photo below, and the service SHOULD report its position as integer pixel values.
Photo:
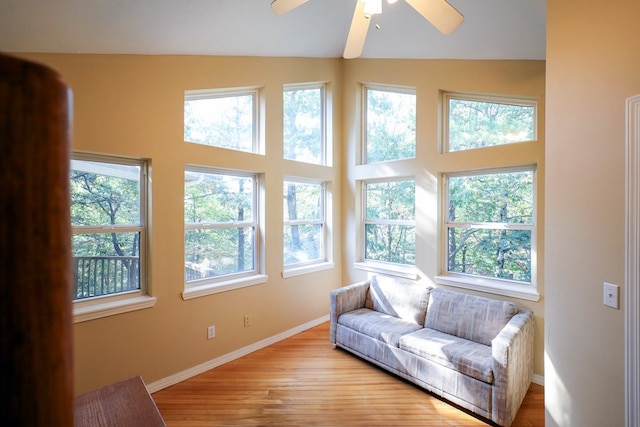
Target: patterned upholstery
(476, 352)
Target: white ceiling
(492, 29)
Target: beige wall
(429, 77)
(132, 106)
(593, 65)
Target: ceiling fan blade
(280, 7)
(441, 14)
(357, 32)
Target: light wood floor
(304, 381)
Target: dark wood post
(36, 378)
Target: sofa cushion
(380, 326)
(400, 298)
(467, 357)
(472, 317)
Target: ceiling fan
(441, 14)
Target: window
(490, 225)
(304, 225)
(479, 122)
(225, 119)
(304, 124)
(109, 235)
(389, 221)
(390, 124)
(221, 226)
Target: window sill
(406, 272)
(492, 286)
(85, 312)
(299, 271)
(217, 287)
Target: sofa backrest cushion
(400, 298)
(468, 316)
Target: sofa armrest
(343, 300)
(512, 351)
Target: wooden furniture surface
(123, 404)
(36, 383)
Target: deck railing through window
(105, 275)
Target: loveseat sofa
(474, 351)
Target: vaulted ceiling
(492, 29)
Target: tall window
(389, 221)
(479, 122)
(225, 119)
(304, 225)
(108, 218)
(304, 124)
(490, 224)
(390, 124)
(221, 225)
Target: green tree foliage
(218, 211)
(486, 213)
(302, 125)
(477, 124)
(389, 222)
(390, 126)
(303, 222)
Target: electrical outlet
(247, 321)
(610, 295)
(211, 332)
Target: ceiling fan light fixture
(372, 7)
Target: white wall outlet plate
(211, 332)
(610, 295)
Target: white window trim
(203, 287)
(495, 99)
(510, 288)
(123, 302)
(254, 92)
(325, 152)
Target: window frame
(122, 302)
(254, 92)
(494, 99)
(375, 266)
(208, 286)
(323, 261)
(324, 150)
(365, 121)
(512, 288)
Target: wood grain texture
(36, 383)
(123, 404)
(304, 381)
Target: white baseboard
(203, 367)
(538, 379)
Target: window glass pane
(477, 124)
(303, 136)
(302, 201)
(105, 206)
(503, 254)
(390, 125)
(105, 263)
(218, 252)
(390, 243)
(392, 200)
(302, 243)
(389, 221)
(104, 193)
(220, 121)
(304, 221)
(492, 198)
(217, 198)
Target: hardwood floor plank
(304, 381)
